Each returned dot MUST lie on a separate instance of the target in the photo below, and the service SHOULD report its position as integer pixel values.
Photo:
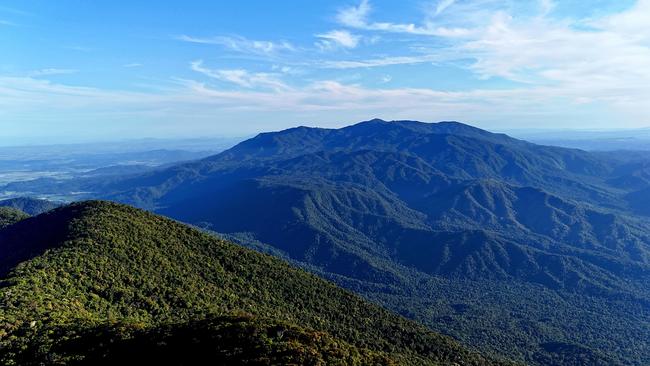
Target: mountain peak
(374, 120)
(442, 127)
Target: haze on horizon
(75, 71)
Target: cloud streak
(337, 38)
(242, 44)
(324, 99)
(50, 71)
(358, 17)
(241, 77)
(442, 5)
(381, 62)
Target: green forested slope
(97, 281)
(9, 216)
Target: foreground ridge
(97, 280)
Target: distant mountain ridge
(31, 206)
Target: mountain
(102, 283)
(419, 216)
(334, 198)
(31, 206)
(535, 253)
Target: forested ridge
(103, 283)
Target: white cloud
(34, 93)
(327, 97)
(50, 71)
(442, 5)
(602, 60)
(633, 23)
(357, 17)
(337, 38)
(131, 65)
(380, 62)
(547, 6)
(242, 44)
(611, 55)
(323, 100)
(241, 77)
(288, 70)
(354, 16)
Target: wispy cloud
(286, 69)
(7, 23)
(605, 56)
(610, 55)
(384, 61)
(583, 60)
(358, 17)
(322, 100)
(242, 44)
(337, 38)
(241, 77)
(51, 71)
(131, 65)
(355, 16)
(442, 5)
(6, 9)
(547, 6)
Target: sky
(73, 71)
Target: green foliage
(103, 267)
(225, 340)
(521, 320)
(10, 216)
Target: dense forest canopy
(95, 281)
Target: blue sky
(99, 70)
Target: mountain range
(536, 253)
